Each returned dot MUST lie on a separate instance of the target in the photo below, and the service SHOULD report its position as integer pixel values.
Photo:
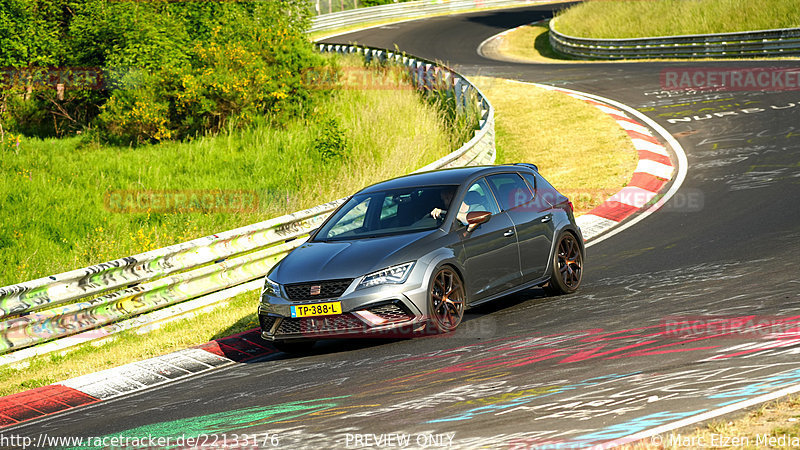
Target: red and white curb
(652, 173)
(655, 169)
(134, 377)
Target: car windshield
(396, 211)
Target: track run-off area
(691, 313)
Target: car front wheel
(446, 300)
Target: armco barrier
(766, 43)
(405, 10)
(75, 304)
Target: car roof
(453, 176)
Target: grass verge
(580, 150)
(571, 142)
(531, 43)
(528, 43)
(774, 424)
(648, 18)
(55, 193)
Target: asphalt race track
(528, 370)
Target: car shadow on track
(485, 322)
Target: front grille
(322, 324)
(391, 312)
(328, 289)
(266, 322)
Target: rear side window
(510, 190)
(531, 181)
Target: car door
(490, 250)
(532, 218)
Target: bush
(331, 144)
(171, 69)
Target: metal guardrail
(405, 10)
(74, 303)
(765, 43)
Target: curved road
(585, 369)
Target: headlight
(391, 275)
(271, 288)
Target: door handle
(547, 218)
(508, 233)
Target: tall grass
(53, 214)
(648, 18)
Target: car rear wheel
(446, 300)
(293, 346)
(567, 271)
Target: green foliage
(56, 195)
(331, 144)
(171, 69)
(647, 18)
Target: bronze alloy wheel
(446, 300)
(567, 266)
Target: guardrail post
(458, 87)
(426, 77)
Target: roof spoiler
(529, 165)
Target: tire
(567, 266)
(446, 300)
(293, 346)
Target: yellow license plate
(317, 309)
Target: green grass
(650, 18)
(531, 43)
(52, 192)
(527, 43)
(777, 418)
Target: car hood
(350, 259)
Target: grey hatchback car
(409, 255)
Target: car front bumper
(387, 311)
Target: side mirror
(476, 218)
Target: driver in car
(446, 196)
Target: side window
(478, 198)
(510, 189)
(389, 208)
(531, 181)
